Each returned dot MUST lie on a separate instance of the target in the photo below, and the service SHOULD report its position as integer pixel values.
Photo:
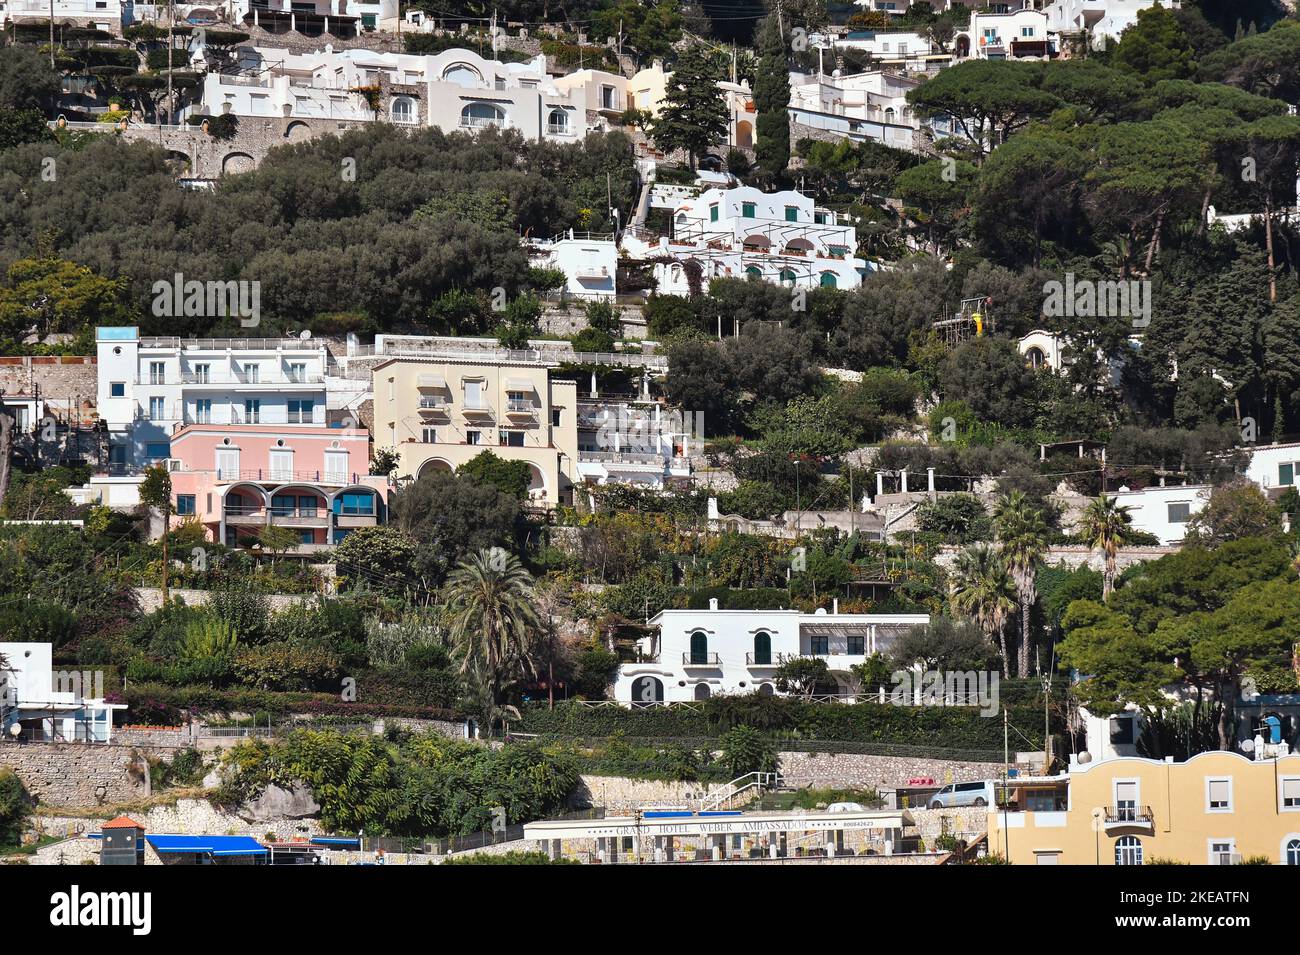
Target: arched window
(702, 691)
(754, 272)
(1036, 357)
(1128, 851)
(762, 647)
(557, 123)
(481, 115)
(889, 114)
(647, 690)
(403, 110)
(787, 277)
(1293, 852)
(829, 280)
(462, 74)
(699, 647)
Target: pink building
(237, 480)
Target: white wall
(1150, 509)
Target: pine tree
(694, 116)
(772, 100)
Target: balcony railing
(520, 406)
(559, 129)
(1130, 816)
(193, 378)
(769, 660)
(701, 659)
(284, 476)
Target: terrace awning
(207, 845)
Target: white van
(964, 794)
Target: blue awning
(352, 841)
(207, 845)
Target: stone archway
(232, 164)
(297, 132)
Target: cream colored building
(441, 412)
(1217, 808)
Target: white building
(697, 654)
(451, 90)
(148, 387)
(1100, 18)
(37, 703)
(589, 262)
(1042, 349)
(1164, 511)
(744, 233)
(634, 441)
(104, 15)
(871, 105)
(1274, 467)
(1003, 36)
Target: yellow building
(1217, 808)
(441, 412)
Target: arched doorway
(433, 466)
(766, 689)
(647, 690)
(1036, 358)
(699, 648)
(744, 134)
(702, 691)
(762, 648)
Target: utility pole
(51, 34)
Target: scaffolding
(971, 321)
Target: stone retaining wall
(82, 774)
(619, 794)
(853, 770)
(150, 598)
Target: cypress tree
(772, 100)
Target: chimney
(835, 605)
(713, 603)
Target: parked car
(964, 794)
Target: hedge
(791, 720)
(152, 704)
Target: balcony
(701, 659)
(772, 660)
(286, 476)
(300, 517)
(245, 515)
(1130, 817)
(481, 410)
(355, 520)
(559, 129)
(434, 406)
(520, 408)
(227, 380)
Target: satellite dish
(305, 334)
(15, 730)
(1085, 757)
(1247, 745)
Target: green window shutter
(747, 210)
(791, 213)
(1286, 474)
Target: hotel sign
(706, 825)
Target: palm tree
(1106, 525)
(982, 590)
(495, 628)
(1022, 541)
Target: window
(557, 123)
(157, 450)
(754, 272)
(747, 210)
(1047, 858)
(336, 466)
(608, 100)
(791, 213)
(157, 409)
(253, 374)
(1121, 730)
(203, 411)
(518, 401)
(403, 110)
(1128, 851)
(117, 389)
(857, 645)
(355, 504)
(157, 373)
(481, 116)
(202, 374)
(462, 75)
(787, 277)
(185, 505)
(1180, 512)
(1126, 800)
(307, 504)
(227, 464)
(713, 212)
(555, 418)
(473, 394)
(252, 410)
(301, 411)
(1027, 32)
(1218, 795)
(297, 372)
(828, 280)
(1290, 786)
(1222, 851)
(473, 437)
(819, 645)
(281, 465)
(762, 648)
(819, 217)
(512, 439)
(283, 505)
(1292, 852)
(306, 537)
(1286, 473)
(429, 435)
(699, 647)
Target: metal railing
(233, 344)
(701, 659)
(1130, 815)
